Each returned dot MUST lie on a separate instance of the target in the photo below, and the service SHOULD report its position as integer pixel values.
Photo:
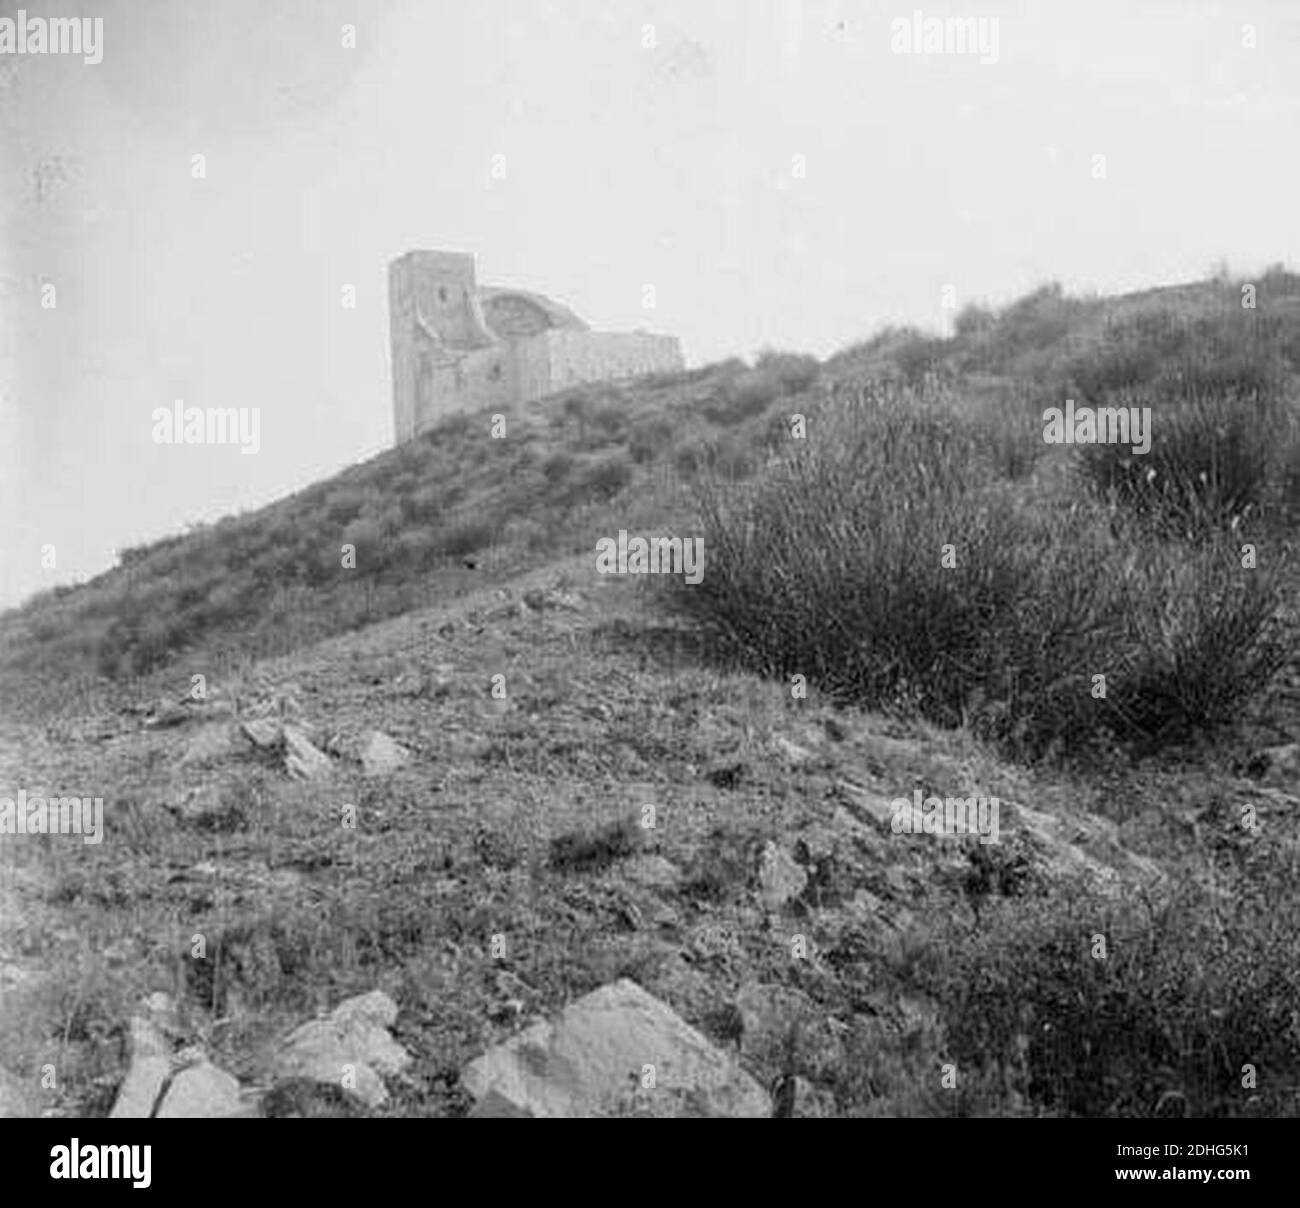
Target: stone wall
(593, 356)
(532, 368)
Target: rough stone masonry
(459, 346)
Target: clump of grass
(591, 851)
(1216, 461)
(650, 438)
(603, 479)
(464, 537)
(792, 371)
(750, 392)
(1190, 992)
(1224, 438)
(558, 466)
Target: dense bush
(464, 537)
(832, 566)
(738, 398)
(557, 467)
(1224, 439)
(792, 371)
(748, 392)
(650, 437)
(605, 478)
(1216, 460)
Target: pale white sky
(625, 165)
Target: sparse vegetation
(824, 557)
(411, 515)
(1186, 994)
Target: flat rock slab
(263, 732)
(651, 871)
(495, 1106)
(350, 1048)
(212, 742)
(780, 878)
(148, 1072)
(302, 760)
(791, 752)
(204, 1092)
(167, 713)
(592, 1061)
(862, 801)
(381, 754)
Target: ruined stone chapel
(459, 346)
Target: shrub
(591, 851)
(418, 549)
(830, 566)
(605, 478)
(1217, 458)
(342, 506)
(687, 459)
(1014, 430)
(423, 504)
(1130, 352)
(1195, 986)
(610, 420)
(464, 537)
(738, 398)
(649, 438)
(729, 457)
(1203, 636)
(973, 321)
(1224, 438)
(557, 467)
(1036, 321)
(792, 371)
(365, 535)
(918, 356)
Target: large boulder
(302, 759)
(617, 1051)
(381, 754)
(147, 1074)
(350, 1048)
(205, 1092)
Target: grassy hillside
(418, 517)
(268, 581)
(949, 588)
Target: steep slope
(507, 869)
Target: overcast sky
(771, 167)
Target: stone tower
(434, 316)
